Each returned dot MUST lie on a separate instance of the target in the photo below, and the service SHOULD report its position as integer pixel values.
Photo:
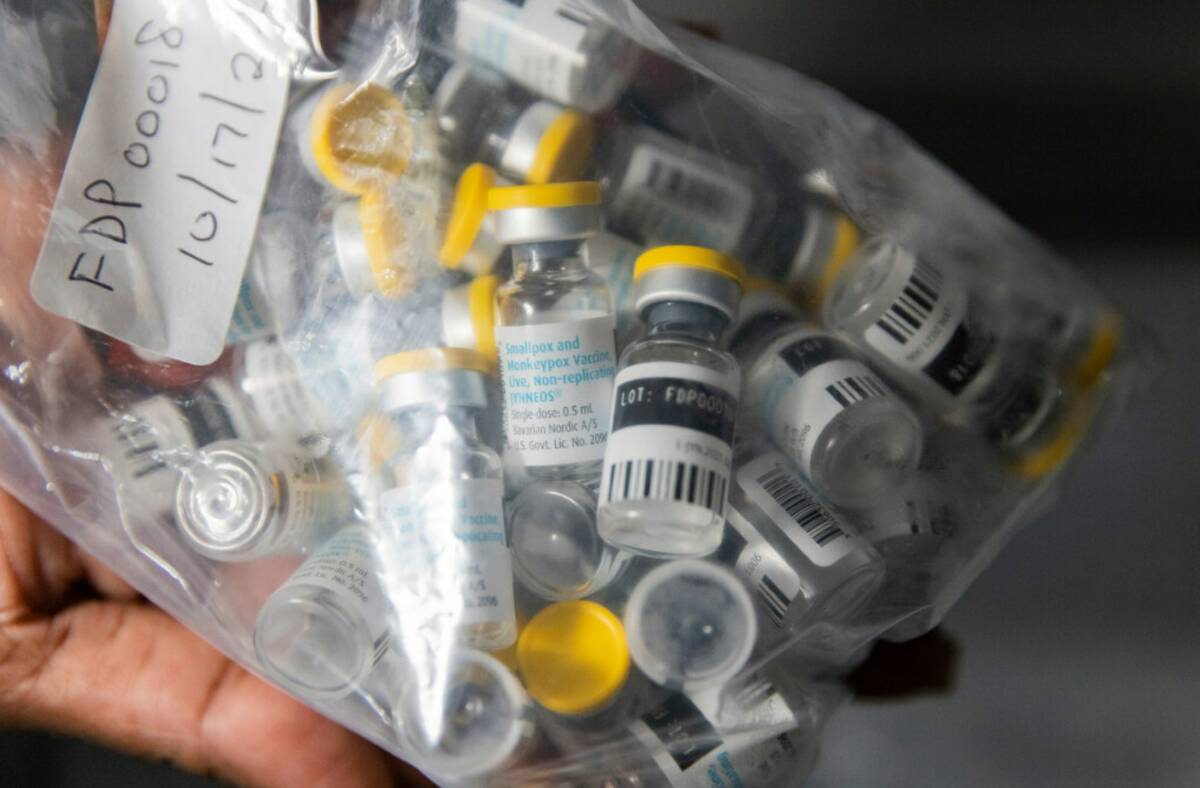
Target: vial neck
(684, 318)
(550, 258)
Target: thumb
(129, 676)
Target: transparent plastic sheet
(349, 534)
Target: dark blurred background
(1080, 646)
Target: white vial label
(344, 567)
(160, 196)
(558, 382)
(672, 434)
(537, 43)
(777, 584)
(312, 496)
(769, 484)
(913, 517)
(450, 546)
(273, 383)
(808, 382)
(691, 751)
(252, 318)
(926, 328)
(684, 196)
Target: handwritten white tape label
(158, 205)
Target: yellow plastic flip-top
(468, 213)
(360, 137)
(573, 657)
(564, 151)
(430, 359)
(549, 195)
(698, 257)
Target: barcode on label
(774, 598)
(800, 506)
(696, 192)
(856, 388)
(141, 444)
(905, 318)
(665, 480)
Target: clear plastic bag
(465, 481)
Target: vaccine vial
(324, 630)
(149, 441)
(528, 140)
(238, 500)
(471, 722)
(556, 551)
(805, 563)
(556, 48)
(920, 323)
(662, 190)
(355, 138)
(279, 393)
(827, 240)
(767, 310)
(370, 239)
(669, 454)
(915, 532)
(269, 299)
(469, 242)
(613, 257)
(748, 733)
(468, 317)
(847, 433)
(442, 534)
(574, 660)
(691, 624)
(554, 332)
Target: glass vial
(844, 429)
(553, 47)
(612, 258)
(913, 533)
(369, 238)
(662, 190)
(556, 551)
(920, 323)
(805, 563)
(278, 393)
(469, 242)
(574, 660)
(691, 624)
(748, 733)
(468, 317)
(323, 631)
(667, 463)
(440, 506)
(527, 140)
(269, 299)
(147, 442)
(355, 138)
(238, 500)
(471, 722)
(554, 332)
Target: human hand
(82, 653)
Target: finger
(131, 677)
(37, 564)
(105, 581)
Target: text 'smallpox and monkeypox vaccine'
(554, 332)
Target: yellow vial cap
(697, 257)
(1056, 451)
(1100, 353)
(385, 236)
(467, 215)
(564, 151)
(430, 360)
(573, 657)
(360, 137)
(482, 304)
(549, 195)
(846, 239)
